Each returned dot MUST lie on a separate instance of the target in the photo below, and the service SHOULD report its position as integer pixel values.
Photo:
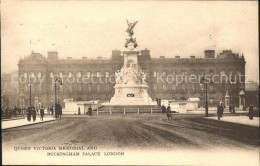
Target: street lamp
(59, 81)
(233, 82)
(30, 85)
(204, 83)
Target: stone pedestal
(131, 87)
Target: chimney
(192, 57)
(209, 54)
(84, 57)
(162, 57)
(177, 57)
(69, 57)
(52, 55)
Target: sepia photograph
(129, 82)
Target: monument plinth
(131, 87)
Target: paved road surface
(135, 131)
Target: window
(154, 86)
(154, 74)
(51, 74)
(107, 87)
(211, 101)
(39, 74)
(88, 74)
(70, 88)
(173, 87)
(164, 87)
(173, 73)
(51, 87)
(70, 74)
(164, 73)
(192, 87)
(61, 75)
(79, 74)
(211, 72)
(32, 75)
(107, 74)
(184, 72)
(98, 88)
(183, 86)
(79, 87)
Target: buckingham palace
(45, 69)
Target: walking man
(34, 114)
(42, 113)
(90, 111)
(220, 110)
(169, 114)
(251, 112)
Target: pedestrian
(251, 112)
(230, 108)
(220, 110)
(157, 101)
(90, 111)
(168, 112)
(163, 109)
(234, 108)
(42, 113)
(34, 114)
(51, 110)
(29, 114)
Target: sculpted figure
(130, 28)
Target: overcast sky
(84, 28)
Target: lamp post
(30, 85)
(59, 81)
(233, 82)
(204, 82)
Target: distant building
(252, 93)
(9, 90)
(51, 67)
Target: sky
(95, 28)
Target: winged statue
(130, 28)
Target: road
(135, 131)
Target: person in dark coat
(90, 111)
(163, 109)
(157, 100)
(58, 111)
(230, 108)
(34, 114)
(41, 113)
(168, 112)
(29, 114)
(251, 112)
(220, 110)
(51, 110)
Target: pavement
(183, 138)
(23, 122)
(239, 120)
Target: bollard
(124, 110)
(138, 110)
(110, 111)
(151, 110)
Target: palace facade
(93, 79)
